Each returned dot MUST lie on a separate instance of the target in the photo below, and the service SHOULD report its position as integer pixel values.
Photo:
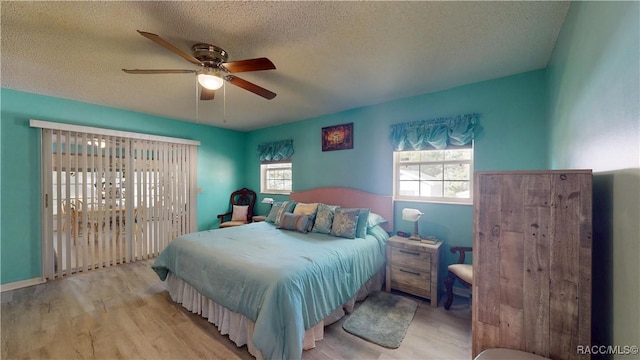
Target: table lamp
(268, 201)
(412, 215)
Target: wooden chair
(139, 215)
(458, 271)
(72, 208)
(102, 219)
(241, 208)
(99, 218)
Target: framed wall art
(337, 137)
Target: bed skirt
(240, 328)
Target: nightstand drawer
(411, 258)
(411, 280)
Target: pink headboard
(349, 198)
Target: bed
(273, 288)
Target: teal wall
(581, 112)
(513, 135)
(594, 82)
(220, 170)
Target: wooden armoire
(532, 262)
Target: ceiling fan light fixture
(209, 80)
(215, 68)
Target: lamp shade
(411, 214)
(210, 81)
(267, 200)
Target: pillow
(378, 232)
(344, 223)
(375, 219)
(306, 209)
(287, 206)
(297, 222)
(361, 225)
(312, 220)
(273, 212)
(239, 213)
(362, 221)
(324, 218)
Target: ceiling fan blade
(158, 71)
(167, 45)
(249, 65)
(250, 87)
(206, 94)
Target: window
(434, 175)
(276, 178)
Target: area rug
(383, 319)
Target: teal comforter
(284, 281)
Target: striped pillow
(273, 212)
(295, 222)
(287, 206)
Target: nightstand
(259, 218)
(412, 267)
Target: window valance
(275, 151)
(435, 133)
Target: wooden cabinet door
(532, 262)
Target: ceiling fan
(215, 68)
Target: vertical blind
(110, 199)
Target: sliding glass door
(110, 199)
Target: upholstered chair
(458, 271)
(241, 206)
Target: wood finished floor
(124, 312)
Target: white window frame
(264, 166)
(432, 199)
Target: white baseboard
(21, 284)
(462, 292)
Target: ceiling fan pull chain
(224, 103)
(197, 101)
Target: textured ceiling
(330, 56)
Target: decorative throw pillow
(297, 222)
(239, 213)
(306, 209)
(273, 212)
(361, 221)
(312, 220)
(375, 219)
(287, 206)
(361, 225)
(344, 223)
(324, 218)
